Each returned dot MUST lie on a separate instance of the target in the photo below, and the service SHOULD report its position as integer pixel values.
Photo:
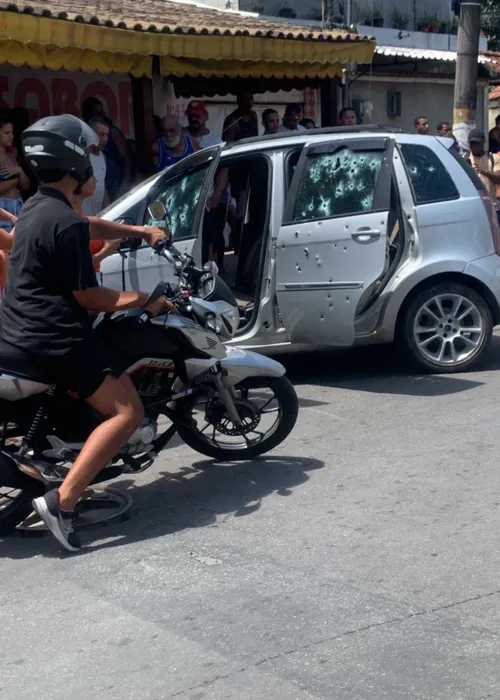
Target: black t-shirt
(50, 260)
(245, 127)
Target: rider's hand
(110, 248)
(160, 306)
(153, 234)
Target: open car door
(332, 244)
(183, 190)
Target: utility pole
(465, 99)
(328, 7)
(329, 105)
(329, 16)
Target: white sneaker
(60, 523)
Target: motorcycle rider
(51, 287)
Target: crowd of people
(175, 142)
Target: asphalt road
(360, 561)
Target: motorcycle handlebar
(161, 245)
(163, 289)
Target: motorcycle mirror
(157, 211)
(211, 266)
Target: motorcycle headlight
(214, 323)
(232, 320)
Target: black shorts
(84, 368)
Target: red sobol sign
(44, 92)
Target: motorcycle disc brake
(216, 414)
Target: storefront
(44, 92)
(145, 59)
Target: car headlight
(214, 323)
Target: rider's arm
(102, 230)
(103, 299)
(77, 273)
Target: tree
(490, 23)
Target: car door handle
(362, 235)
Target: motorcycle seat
(15, 361)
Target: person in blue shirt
(173, 145)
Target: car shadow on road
(377, 369)
(205, 494)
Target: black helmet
(60, 144)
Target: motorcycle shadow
(204, 495)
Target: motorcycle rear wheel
(201, 438)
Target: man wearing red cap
(197, 116)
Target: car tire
(469, 335)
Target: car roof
(293, 137)
(311, 133)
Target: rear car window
(430, 180)
(338, 184)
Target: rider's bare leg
(118, 400)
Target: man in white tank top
(92, 206)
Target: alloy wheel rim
(448, 329)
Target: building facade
(407, 14)
(413, 69)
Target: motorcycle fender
(241, 364)
(195, 367)
(238, 364)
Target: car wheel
(446, 328)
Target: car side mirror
(157, 211)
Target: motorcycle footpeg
(42, 471)
(138, 464)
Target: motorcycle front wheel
(268, 408)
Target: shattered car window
(336, 184)
(429, 178)
(180, 198)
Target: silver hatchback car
(342, 237)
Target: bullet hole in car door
(337, 184)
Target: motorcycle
(225, 403)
